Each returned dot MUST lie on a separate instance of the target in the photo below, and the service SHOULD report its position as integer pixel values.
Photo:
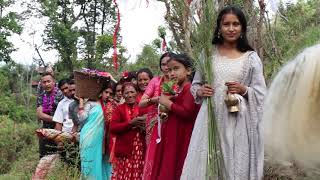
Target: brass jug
(163, 112)
(232, 103)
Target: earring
(219, 33)
(241, 36)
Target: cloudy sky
(139, 24)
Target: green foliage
(80, 28)
(8, 26)
(64, 170)
(168, 87)
(299, 29)
(104, 43)
(13, 138)
(162, 31)
(16, 101)
(4, 83)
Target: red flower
(125, 74)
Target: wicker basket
(89, 85)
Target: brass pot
(232, 103)
(163, 112)
(163, 109)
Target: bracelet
(148, 100)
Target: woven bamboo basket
(88, 85)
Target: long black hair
(242, 43)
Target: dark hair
(124, 85)
(110, 85)
(146, 70)
(63, 82)
(242, 43)
(71, 82)
(47, 74)
(185, 60)
(167, 54)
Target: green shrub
(14, 137)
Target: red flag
(115, 54)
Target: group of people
(122, 135)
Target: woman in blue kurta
(94, 165)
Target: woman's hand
(154, 100)
(205, 91)
(138, 122)
(164, 99)
(236, 88)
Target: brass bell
(232, 103)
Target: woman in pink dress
(152, 93)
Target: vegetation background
(277, 39)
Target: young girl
(108, 105)
(237, 70)
(176, 131)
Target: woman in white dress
(237, 70)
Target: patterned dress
(130, 168)
(240, 133)
(129, 147)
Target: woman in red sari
(168, 157)
(128, 126)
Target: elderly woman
(128, 127)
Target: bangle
(245, 93)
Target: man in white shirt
(61, 115)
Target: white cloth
(61, 115)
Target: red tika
(165, 160)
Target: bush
(14, 137)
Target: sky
(139, 24)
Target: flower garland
(47, 101)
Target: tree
(178, 19)
(99, 18)
(61, 33)
(79, 29)
(8, 26)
